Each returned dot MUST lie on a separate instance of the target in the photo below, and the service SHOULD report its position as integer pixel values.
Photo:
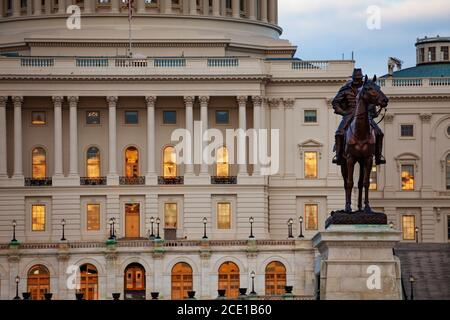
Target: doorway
(132, 220)
(134, 278)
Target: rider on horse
(344, 104)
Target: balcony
(43, 182)
(131, 181)
(86, 181)
(170, 180)
(223, 180)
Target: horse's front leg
(349, 187)
(368, 168)
(360, 184)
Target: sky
(373, 29)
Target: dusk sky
(325, 29)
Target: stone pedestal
(357, 263)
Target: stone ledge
(356, 218)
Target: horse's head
(371, 92)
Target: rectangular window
(222, 117)
(224, 215)
(93, 217)
(432, 54)
(169, 117)
(408, 227)
(311, 216)
(170, 215)
(38, 118)
(422, 55)
(444, 53)
(92, 117)
(408, 177)
(38, 217)
(407, 130)
(310, 165)
(131, 117)
(373, 178)
(310, 116)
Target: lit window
(93, 217)
(169, 117)
(311, 216)
(38, 217)
(310, 116)
(222, 117)
(448, 172)
(407, 177)
(407, 130)
(89, 282)
(223, 216)
(93, 117)
(170, 215)
(38, 118)
(223, 168)
(408, 227)
(310, 165)
(131, 117)
(132, 162)
(39, 163)
(229, 279)
(373, 178)
(275, 278)
(93, 163)
(38, 282)
(170, 165)
(132, 220)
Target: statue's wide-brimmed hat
(357, 74)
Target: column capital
(151, 101)
(189, 100)
(57, 101)
(73, 100)
(425, 117)
(18, 100)
(204, 100)
(242, 100)
(112, 101)
(274, 103)
(3, 100)
(257, 101)
(289, 103)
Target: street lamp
(301, 227)
(17, 288)
(14, 224)
(204, 228)
(152, 221)
(411, 281)
(63, 224)
(158, 221)
(111, 227)
(290, 223)
(391, 225)
(417, 234)
(252, 274)
(251, 220)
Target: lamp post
(113, 228)
(391, 225)
(17, 288)
(417, 234)
(252, 275)
(158, 221)
(112, 235)
(411, 281)
(63, 224)
(301, 227)
(205, 220)
(251, 220)
(152, 221)
(290, 223)
(14, 224)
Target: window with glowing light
(170, 215)
(373, 178)
(408, 177)
(93, 162)
(222, 165)
(310, 165)
(311, 216)
(182, 280)
(132, 162)
(170, 165)
(408, 227)
(275, 278)
(223, 215)
(38, 217)
(39, 163)
(229, 279)
(38, 282)
(93, 217)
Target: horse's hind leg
(350, 183)
(368, 168)
(360, 184)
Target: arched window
(134, 282)
(131, 162)
(181, 280)
(448, 172)
(229, 279)
(39, 163)
(38, 282)
(222, 164)
(89, 281)
(275, 278)
(93, 162)
(170, 162)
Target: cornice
(309, 80)
(419, 97)
(125, 44)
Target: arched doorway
(38, 282)
(134, 282)
(275, 278)
(89, 281)
(229, 279)
(182, 280)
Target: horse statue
(360, 143)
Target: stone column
(242, 148)
(204, 100)
(236, 8)
(115, 6)
(140, 6)
(113, 178)
(272, 12)
(251, 4)
(276, 114)
(18, 171)
(73, 138)
(62, 6)
(427, 161)
(391, 170)
(166, 6)
(205, 8)
(257, 104)
(223, 8)
(189, 103)
(264, 10)
(216, 8)
(16, 9)
(29, 7)
(3, 146)
(2, 9)
(58, 165)
(151, 145)
(89, 6)
(289, 126)
(193, 7)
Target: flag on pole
(130, 9)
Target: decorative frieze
(425, 117)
